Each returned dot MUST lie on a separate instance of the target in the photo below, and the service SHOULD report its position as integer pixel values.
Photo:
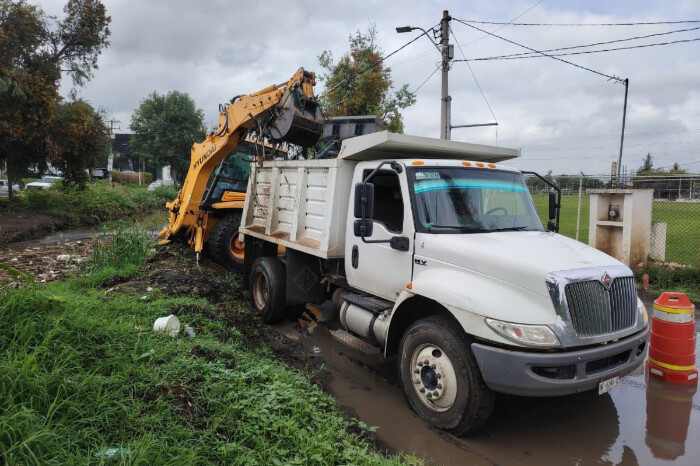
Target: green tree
(360, 84)
(647, 165)
(165, 128)
(34, 48)
(81, 136)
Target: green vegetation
(99, 203)
(82, 371)
(682, 224)
(680, 280)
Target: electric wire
(474, 76)
(615, 78)
(602, 43)
(426, 79)
(555, 55)
(650, 23)
(504, 24)
(373, 65)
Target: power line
(373, 65)
(474, 76)
(504, 24)
(537, 51)
(601, 43)
(555, 55)
(585, 24)
(427, 79)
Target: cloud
(566, 119)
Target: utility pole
(626, 82)
(445, 102)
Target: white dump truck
(434, 252)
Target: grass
(682, 222)
(97, 204)
(82, 371)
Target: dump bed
(302, 204)
(299, 204)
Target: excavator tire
(224, 245)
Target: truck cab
(435, 253)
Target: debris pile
(45, 263)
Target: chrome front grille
(596, 311)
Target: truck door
(378, 268)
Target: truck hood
(522, 258)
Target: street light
(447, 53)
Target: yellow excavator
(208, 208)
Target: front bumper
(528, 373)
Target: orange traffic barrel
(668, 418)
(672, 343)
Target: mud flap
(303, 278)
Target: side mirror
(364, 201)
(552, 205)
(364, 228)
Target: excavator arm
(285, 112)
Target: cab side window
(388, 202)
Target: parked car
(100, 173)
(44, 183)
(5, 188)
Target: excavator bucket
(299, 120)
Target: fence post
(578, 214)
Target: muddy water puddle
(636, 423)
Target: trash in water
(110, 452)
(190, 332)
(170, 324)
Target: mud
(637, 423)
(18, 227)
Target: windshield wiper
(510, 229)
(469, 229)
(461, 228)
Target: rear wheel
(267, 290)
(441, 378)
(225, 246)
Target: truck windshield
(467, 200)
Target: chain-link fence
(675, 229)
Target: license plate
(606, 385)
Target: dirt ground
(24, 226)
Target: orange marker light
(479, 164)
(409, 286)
(492, 165)
(467, 164)
(418, 162)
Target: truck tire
(224, 245)
(267, 290)
(441, 378)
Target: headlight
(643, 309)
(530, 335)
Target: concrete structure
(657, 250)
(620, 224)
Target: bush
(97, 204)
(132, 178)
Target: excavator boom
(286, 112)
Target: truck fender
(468, 298)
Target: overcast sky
(564, 118)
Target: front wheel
(441, 378)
